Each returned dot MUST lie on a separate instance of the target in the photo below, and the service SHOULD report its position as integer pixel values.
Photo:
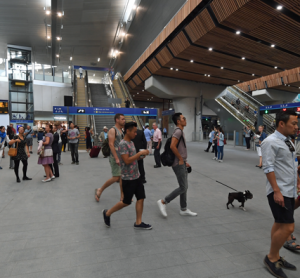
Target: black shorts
(281, 214)
(131, 188)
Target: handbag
(13, 151)
(41, 152)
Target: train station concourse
(147, 138)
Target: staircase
(120, 95)
(81, 120)
(248, 118)
(100, 99)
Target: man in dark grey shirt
(278, 154)
(179, 166)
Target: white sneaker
(53, 177)
(187, 212)
(162, 208)
(214, 158)
(46, 180)
(221, 161)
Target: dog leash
(226, 185)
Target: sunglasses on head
(290, 145)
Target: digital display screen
(3, 107)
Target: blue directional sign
(280, 106)
(100, 111)
(168, 112)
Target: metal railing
(91, 118)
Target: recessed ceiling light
(59, 14)
(253, 74)
(205, 74)
(238, 80)
(94, 74)
(275, 67)
(133, 95)
(48, 37)
(243, 58)
(208, 75)
(238, 32)
(279, 7)
(48, 12)
(98, 59)
(69, 67)
(272, 45)
(210, 49)
(59, 38)
(137, 93)
(176, 69)
(289, 85)
(57, 55)
(171, 68)
(222, 68)
(192, 61)
(71, 58)
(143, 90)
(299, 87)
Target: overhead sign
(100, 111)
(168, 112)
(280, 106)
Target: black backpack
(167, 157)
(106, 148)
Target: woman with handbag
(3, 139)
(19, 154)
(46, 157)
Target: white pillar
(186, 106)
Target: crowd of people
(129, 146)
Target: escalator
(245, 116)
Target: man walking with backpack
(115, 135)
(179, 166)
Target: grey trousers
(181, 175)
(59, 153)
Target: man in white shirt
(80, 71)
(157, 145)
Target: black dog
(240, 196)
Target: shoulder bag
(13, 151)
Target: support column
(186, 106)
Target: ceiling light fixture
(176, 69)
(48, 37)
(71, 58)
(143, 90)
(279, 7)
(69, 67)
(210, 49)
(171, 68)
(59, 14)
(59, 38)
(272, 45)
(98, 59)
(275, 67)
(222, 68)
(137, 93)
(243, 58)
(61, 27)
(253, 74)
(48, 12)
(208, 75)
(57, 55)
(192, 61)
(238, 32)
(205, 74)
(238, 80)
(94, 74)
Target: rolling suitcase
(95, 151)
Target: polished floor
(56, 229)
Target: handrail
(138, 119)
(75, 95)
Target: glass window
(38, 72)
(16, 107)
(48, 73)
(58, 74)
(2, 67)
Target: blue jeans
(220, 151)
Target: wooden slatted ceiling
(131, 84)
(203, 69)
(137, 80)
(139, 95)
(144, 73)
(179, 44)
(222, 60)
(166, 32)
(200, 26)
(153, 66)
(224, 8)
(250, 16)
(274, 80)
(292, 5)
(194, 77)
(164, 56)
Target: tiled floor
(56, 229)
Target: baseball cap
(105, 127)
